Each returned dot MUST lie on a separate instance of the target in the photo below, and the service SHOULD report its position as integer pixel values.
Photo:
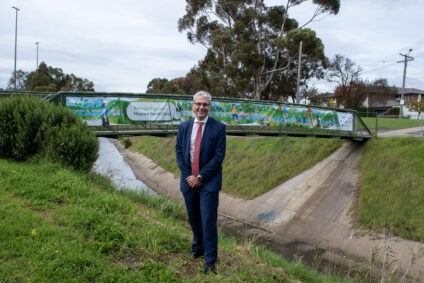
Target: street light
(36, 66)
(16, 41)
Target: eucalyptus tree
(252, 47)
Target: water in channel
(112, 164)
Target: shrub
(30, 126)
(127, 143)
(394, 111)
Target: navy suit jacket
(212, 153)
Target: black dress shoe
(209, 267)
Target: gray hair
(204, 94)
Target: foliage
(252, 48)
(31, 126)
(392, 194)
(279, 159)
(415, 105)
(20, 80)
(343, 71)
(394, 111)
(59, 225)
(350, 96)
(163, 86)
(126, 142)
(185, 85)
(47, 78)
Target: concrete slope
(308, 211)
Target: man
(200, 150)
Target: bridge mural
(141, 110)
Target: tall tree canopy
(252, 48)
(47, 78)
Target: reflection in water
(112, 165)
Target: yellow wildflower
(33, 233)
(57, 251)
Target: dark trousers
(202, 210)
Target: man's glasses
(201, 104)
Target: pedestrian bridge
(158, 114)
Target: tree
(251, 47)
(349, 91)
(165, 86)
(20, 81)
(343, 71)
(351, 96)
(47, 78)
(416, 105)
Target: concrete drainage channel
(306, 216)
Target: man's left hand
(193, 181)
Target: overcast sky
(122, 45)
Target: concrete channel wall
(308, 212)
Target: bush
(30, 126)
(127, 143)
(394, 111)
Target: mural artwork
(97, 111)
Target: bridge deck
(161, 130)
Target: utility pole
(16, 43)
(406, 58)
(298, 73)
(36, 66)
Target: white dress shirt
(193, 135)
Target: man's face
(201, 107)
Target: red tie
(195, 165)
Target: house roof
(410, 91)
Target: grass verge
(390, 123)
(252, 166)
(60, 225)
(392, 194)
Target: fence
(392, 125)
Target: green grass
(392, 194)
(57, 225)
(390, 123)
(252, 166)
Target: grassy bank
(252, 166)
(391, 173)
(59, 225)
(392, 195)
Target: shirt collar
(203, 121)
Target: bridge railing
(161, 114)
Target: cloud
(122, 45)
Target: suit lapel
(188, 138)
(206, 133)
